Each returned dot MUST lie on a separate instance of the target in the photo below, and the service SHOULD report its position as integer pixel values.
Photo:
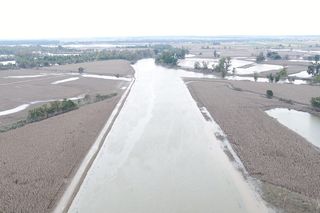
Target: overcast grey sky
(103, 18)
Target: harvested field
(38, 161)
(109, 67)
(298, 93)
(40, 86)
(269, 151)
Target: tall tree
(260, 57)
(314, 68)
(223, 66)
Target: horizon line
(84, 38)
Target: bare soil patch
(38, 161)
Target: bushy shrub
(277, 77)
(270, 77)
(273, 55)
(54, 108)
(197, 65)
(316, 79)
(288, 101)
(38, 113)
(269, 93)
(87, 99)
(283, 72)
(67, 105)
(81, 70)
(260, 58)
(315, 102)
(204, 65)
(291, 79)
(255, 76)
(104, 97)
(234, 71)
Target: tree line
(168, 55)
(39, 56)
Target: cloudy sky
(22, 19)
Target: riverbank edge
(276, 197)
(254, 183)
(72, 189)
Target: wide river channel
(161, 155)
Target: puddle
(107, 77)
(79, 97)
(297, 82)
(7, 62)
(302, 74)
(25, 76)
(189, 74)
(257, 68)
(66, 80)
(14, 110)
(242, 78)
(295, 50)
(189, 62)
(303, 123)
(300, 60)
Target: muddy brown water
(162, 155)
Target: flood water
(189, 62)
(190, 74)
(238, 64)
(257, 68)
(65, 80)
(302, 74)
(161, 155)
(303, 123)
(7, 62)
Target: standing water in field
(303, 123)
(161, 155)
